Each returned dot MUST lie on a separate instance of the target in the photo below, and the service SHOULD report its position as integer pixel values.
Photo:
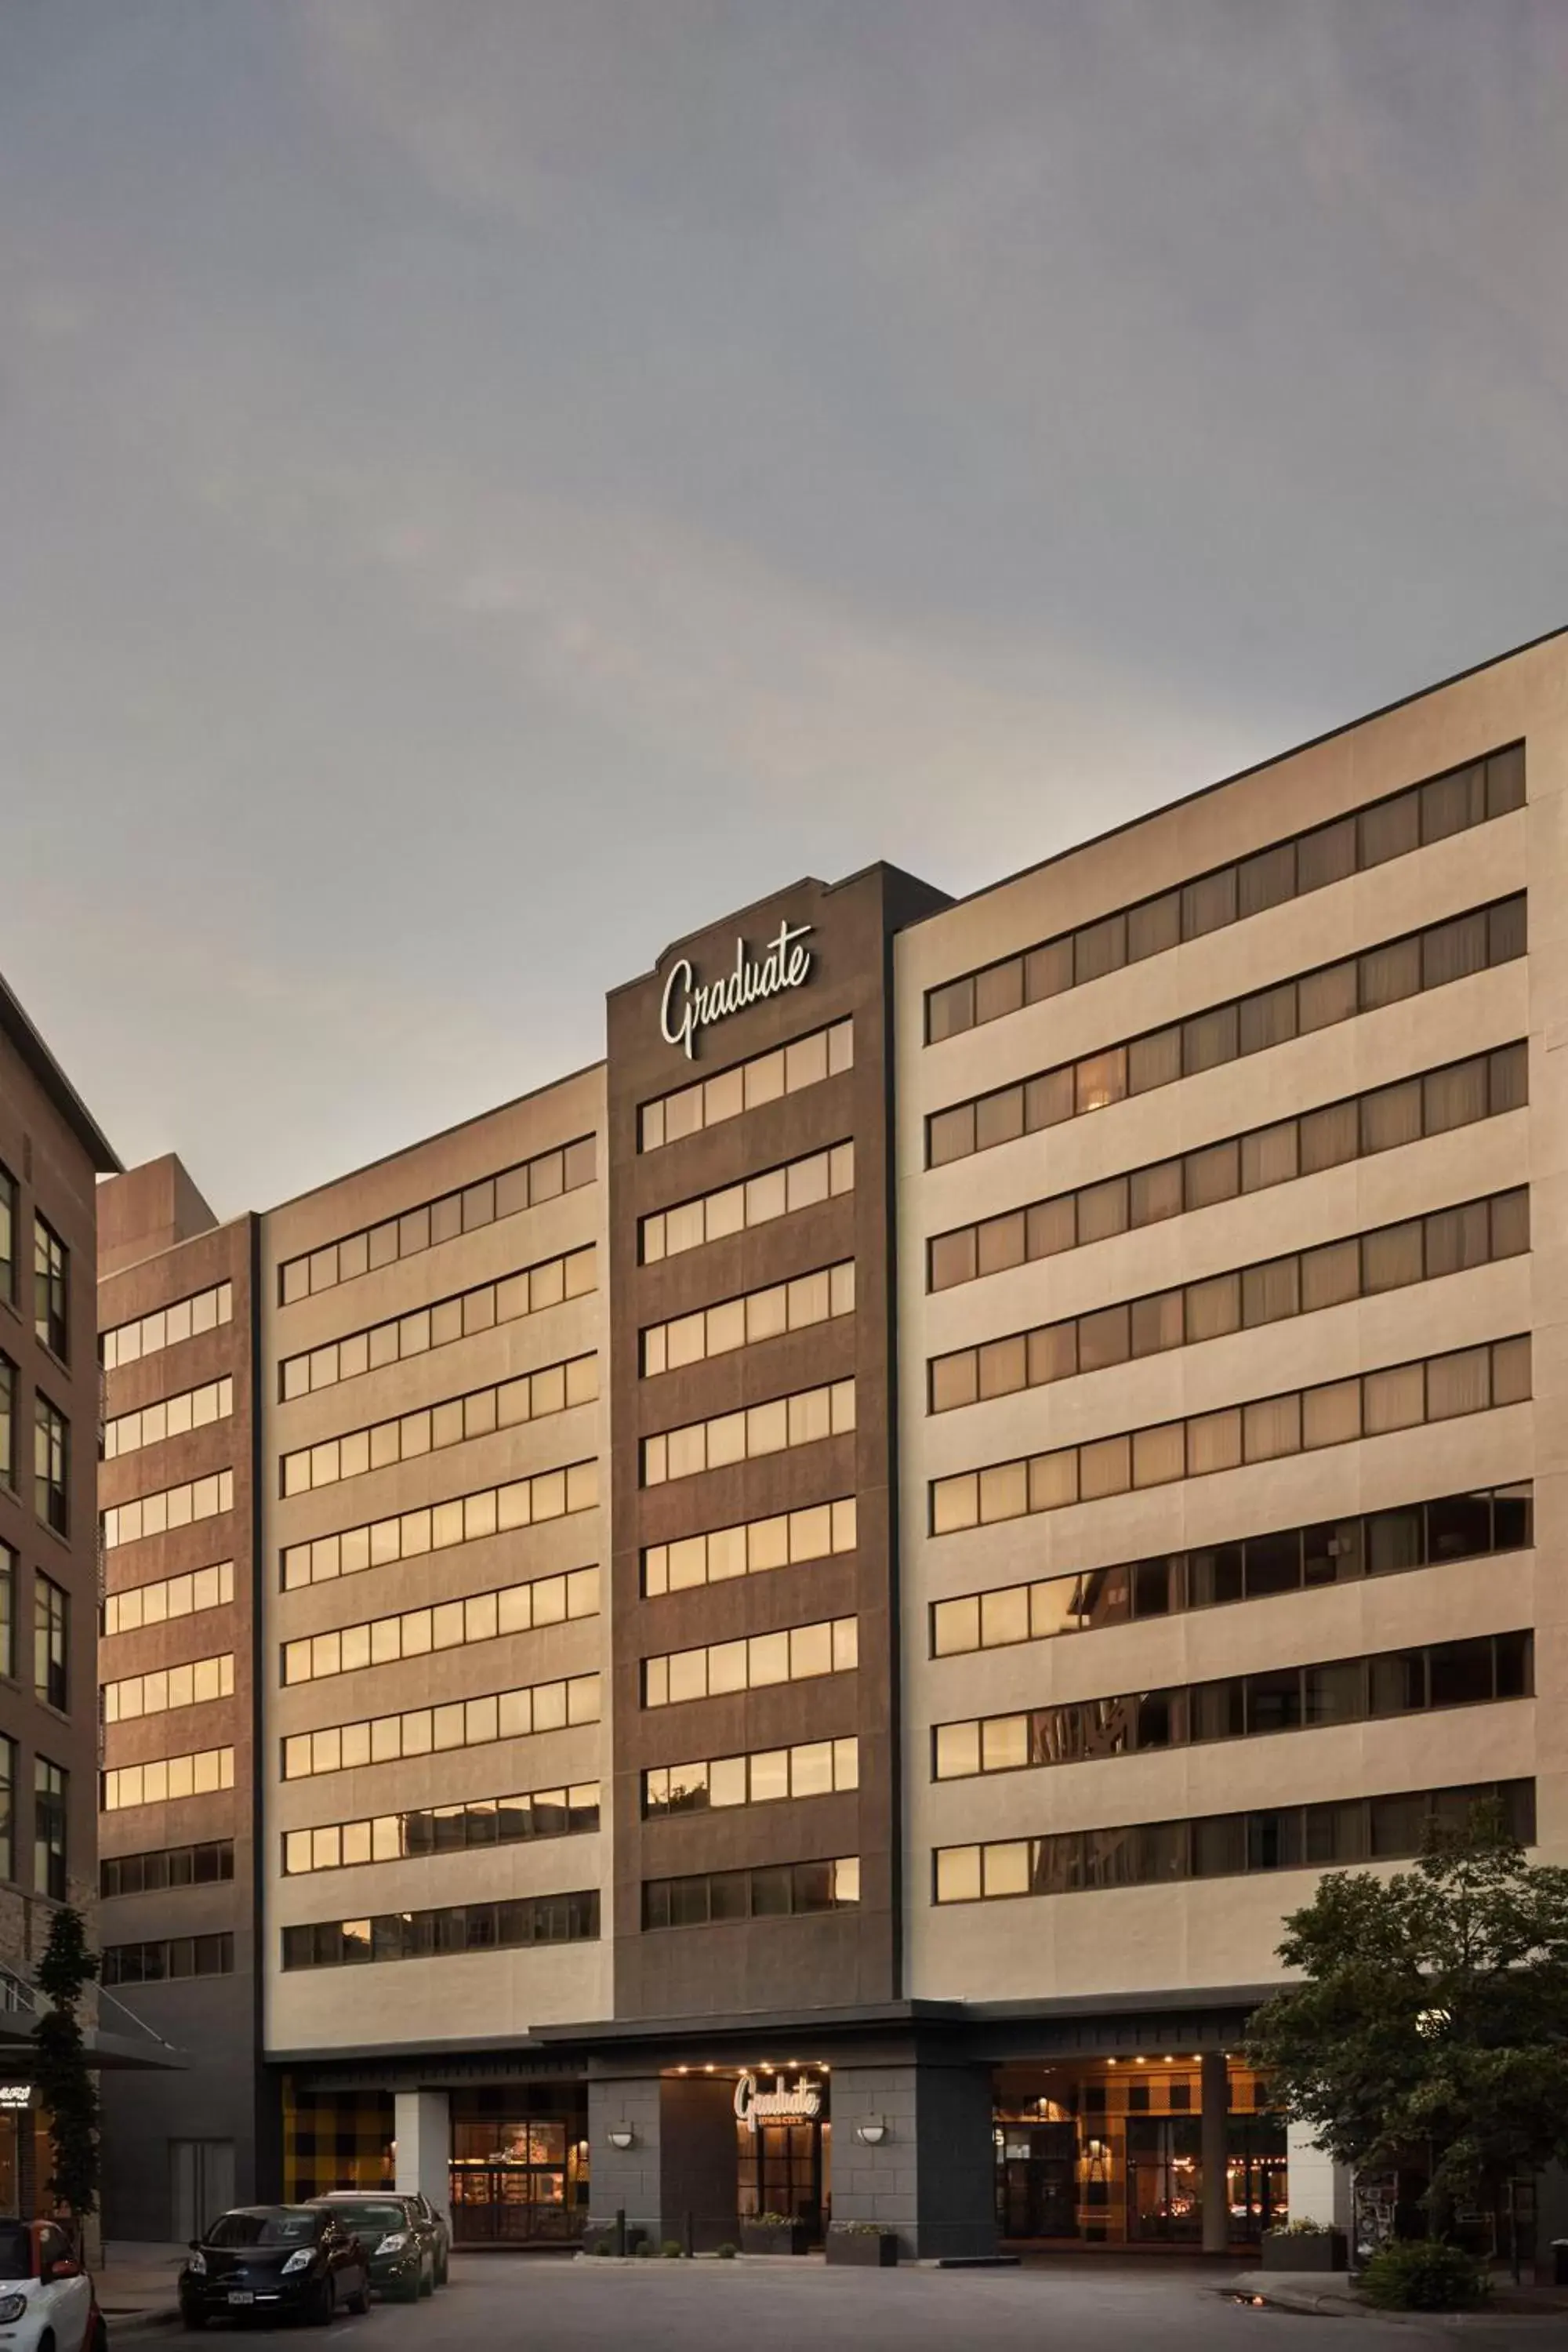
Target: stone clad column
(421, 2126)
(1215, 2076)
(931, 2175)
(1317, 2188)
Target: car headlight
(299, 2260)
(12, 2306)
(197, 2265)
(395, 2244)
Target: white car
(46, 2299)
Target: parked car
(398, 2240)
(46, 2298)
(272, 2261)
(437, 2223)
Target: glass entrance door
(781, 2171)
(1036, 2197)
(1164, 2179)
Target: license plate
(240, 2295)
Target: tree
(65, 2086)
(1431, 2025)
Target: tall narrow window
(8, 1234)
(51, 1290)
(7, 1421)
(7, 1809)
(51, 1641)
(51, 1465)
(7, 1617)
(49, 1782)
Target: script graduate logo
(689, 1005)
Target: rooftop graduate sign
(689, 1005)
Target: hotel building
(821, 1587)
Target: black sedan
(399, 2242)
(273, 2261)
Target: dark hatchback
(399, 2242)
(274, 2261)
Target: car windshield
(368, 2217)
(16, 2251)
(297, 2228)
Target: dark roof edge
(29, 1043)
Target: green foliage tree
(65, 2085)
(1431, 2023)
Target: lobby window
(746, 1086)
(211, 1864)
(51, 1641)
(7, 1610)
(760, 1429)
(433, 1934)
(433, 1730)
(168, 1959)
(7, 1235)
(168, 1597)
(423, 1830)
(1317, 998)
(1406, 820)
(528, 1292)
(758, 1201)
(51, 1465)
(817, 1532)
(796, 1653)
(443, 1625)
(8, 1808)
(467, 1519)
(51, 1290)
(49, 1784)
(532, 1396)
(170, 1417)
(148, 1335)
(770, 1891)
(1433, 1102)
(1419, 1249)
(817, 1767)
(195, 1683)
(175, 1507)
(1368, 1404)
(755, 1315)
(167, 1779)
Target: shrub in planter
(1425, 2274)
(726, 2253)
(773, 2233)
(1306, 2245)
(864, 2244)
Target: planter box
(756, 2240)
(866, 2250)
(1326, 2249)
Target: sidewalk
(135, 2284)
(1333, 2296)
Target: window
(51, 1465)
(1405, 821)
(51, 1290)
(461, 1927)
(756, 1316)
(175, 1507)
(7, 1235)
(51, 1641)
(49, 1782)
(430, 1730)
(1454, 1096)
(1218, 1845)
(193, 1684)
(532, 1396)
(1390, 1258)
(7, 1422)
(773, 1891)
(798, 1654)
(148, 1334)
(167, 1779)
(1366, 1405)
(7, 1616)
(168, 1597)
(169, 1959)
(467, 1518)
(171, 1417)
(208, 1865)
(1221, 1032)
(757, 1201)
(443, 1829)
(8, 1808)
(528, 1292)
(745, 1086)
(758, 1429)
(816, 1532)
(443, 1625)
(485, 1203)
(815, 1768)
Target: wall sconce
(872, 2135)
(623, 2136)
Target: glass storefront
(519, 2165)
(1110, 2153)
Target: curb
(124, 2323)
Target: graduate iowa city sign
(778, 2106)
(689, 1005)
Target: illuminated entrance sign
(689, 1005)
(16, 2095)
(801, 2105)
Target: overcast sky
(488, 485)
